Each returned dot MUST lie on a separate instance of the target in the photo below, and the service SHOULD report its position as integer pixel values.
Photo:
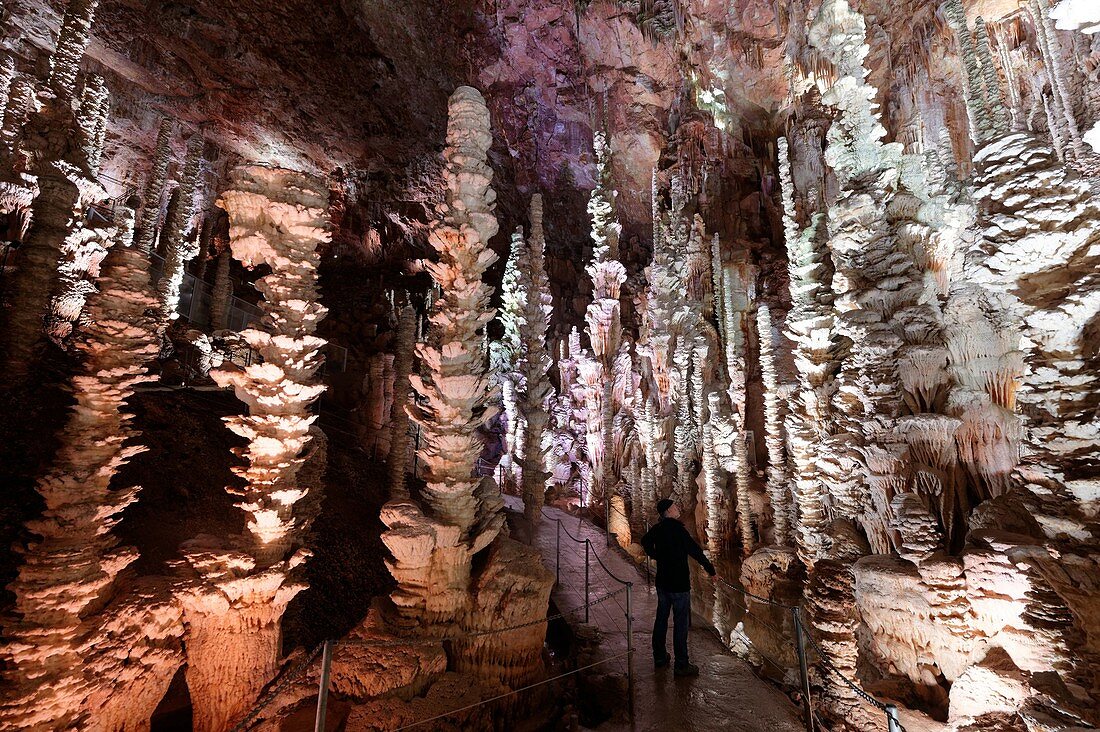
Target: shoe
(686, 670)
(661, 662)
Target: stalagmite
(810, 325)
(977, 103)
(76, 31)
(602, 318)
(240, 589)
(773, 424)
(433, 547)
(998, 121)
(504, 358)
(154, 187)
(403, 353)
(19, 100)
(178, 250)
(1052, 57)
(222, 292)
(535, 363)
(94, 108)
(56, 651)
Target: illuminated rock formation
(178, 250)
(433, 546)
(57, 152)
(403, 353)
(504, 355)
(154, 187)
(241, 587)
(810, 325)
(58, 645)
(534, 363)
(72, 41)
(603, 324)
(777, 459)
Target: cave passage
(348, 351)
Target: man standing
(670, 544)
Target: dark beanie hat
(663, 505)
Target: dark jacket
(670, 544)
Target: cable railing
(801, 638)
(323, 652)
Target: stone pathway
(726, 695)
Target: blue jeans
(680, 605)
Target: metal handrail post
(892, 721)
(630, 649)
(587, 544)
(803, 670)
(607, 518)
(557, 554)
(322, 690)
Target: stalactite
(403, 352)
(178, 250)
(154, 187)
(76, 31)
(56, 659)
(773, 424)
(240, 589)
(433, 547)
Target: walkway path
(726, 695)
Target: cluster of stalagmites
(942, 431)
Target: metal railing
(627, 586)
(801, 638)
(325, 651)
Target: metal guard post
(803, 670)
(322, 691)
(630, 649)
(587, 544)
(557, 554)
(892, 721)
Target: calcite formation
(55, 645)
(535, 363)
(433, 546)
(178, 250)
(404, 352)
(240, 589)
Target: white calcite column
(57, 652)
(433, 542)
(240, 587)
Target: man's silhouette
(670, 544)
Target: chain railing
(802, 637)
(325, 651)
(627, 586)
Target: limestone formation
(534, 363)
(72, 41)
(433, 546)
(154, 187)
(777, 460)
(404, 351)
(56, 649)
(241, 587)
(178, 250)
